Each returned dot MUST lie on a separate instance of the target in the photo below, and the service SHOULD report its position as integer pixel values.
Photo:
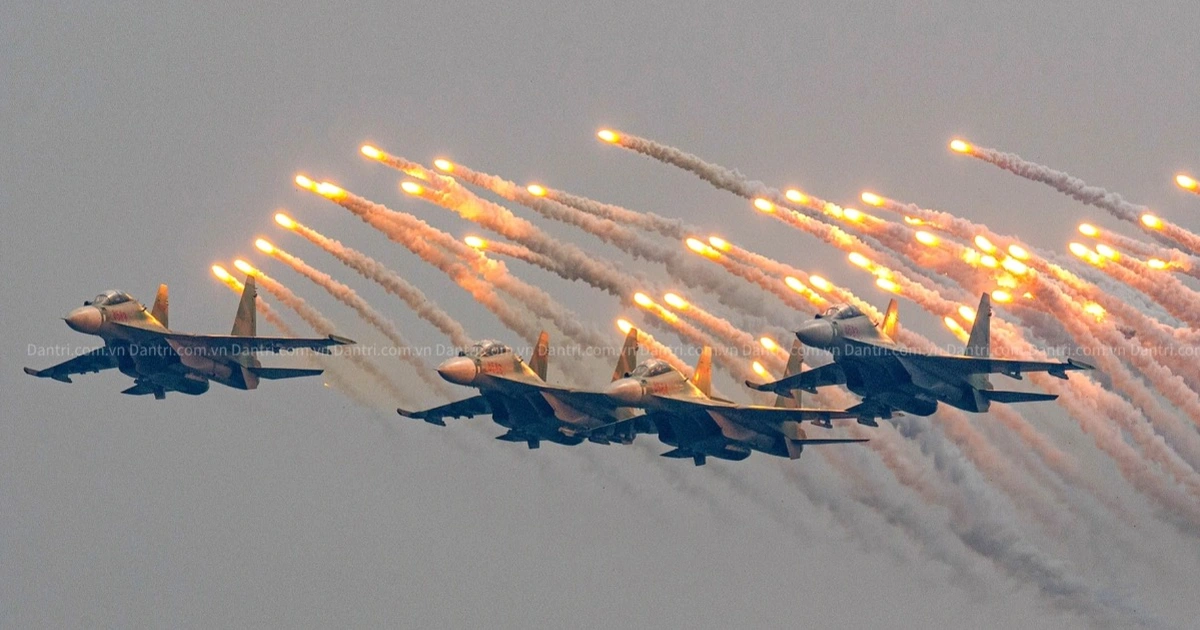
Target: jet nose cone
(459, 370)
(816, 333)
(85, 319)
(626, 390)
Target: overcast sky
(139, 144)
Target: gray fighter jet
(139, 344)
(889, 377)
(517, 396)
(699, 424)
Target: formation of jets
(651, 397)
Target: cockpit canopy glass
(486, 349)
(653, 367)
(844, 311)
(110, 298)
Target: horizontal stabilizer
(678, 454)
(278, 373)
(143, 389)
(1015, 397)
(434, 420)
(48, 374)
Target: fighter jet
(139, 344)
(517, 396)
(889, 377)
(699, 424)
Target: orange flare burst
(1155, 263)
(442, 164)
(858, 260)
(325, 189)
(820, 283)
(759, 369)
(967, 313)
(719, 243)
(852, 214)
(1151, 221)
(913, 220)
(305, 183)
(285, 221)
(372, 152)
(925, 238)
(1087, 229)
(872, 199)
(221, 273)
(264, 246)
(960, 146)
(1018, 252)
(1095, 310)
(1002, 296)
(412, 188)
(536, 190)
(624, 326)
(985, 245)
(795, 195)
(768, 343)
(245, 267)
(887, 285)
(1014, 266)
(675, 301)
(794, 284)
(953, 325)
(699, 247)
(607, 135)
(1107, 252)
(1079, 249)
(643, 300)
(764, 205)
(989, 261)
(1187, 183)
(475, 242)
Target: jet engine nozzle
(459, 370)
(817, 333)
(85, 319)
(626, 390)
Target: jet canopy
(844, 311)
(652, 367)
(486, 348)
(109, 298)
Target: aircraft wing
(573, 406)
(229, 345)
(765, 419)
(101, 358)
(465, 408)
(809, 381)
(985, 365)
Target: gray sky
(142, 143)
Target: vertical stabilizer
(702, 377)
(795, 364)
(891, 319)
(980, 342)
(244, 324)
(627, 359)
(161, 306)
(539, 361)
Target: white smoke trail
(1079, 190)
(351, 298)
(372, 269)
(323, 326)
